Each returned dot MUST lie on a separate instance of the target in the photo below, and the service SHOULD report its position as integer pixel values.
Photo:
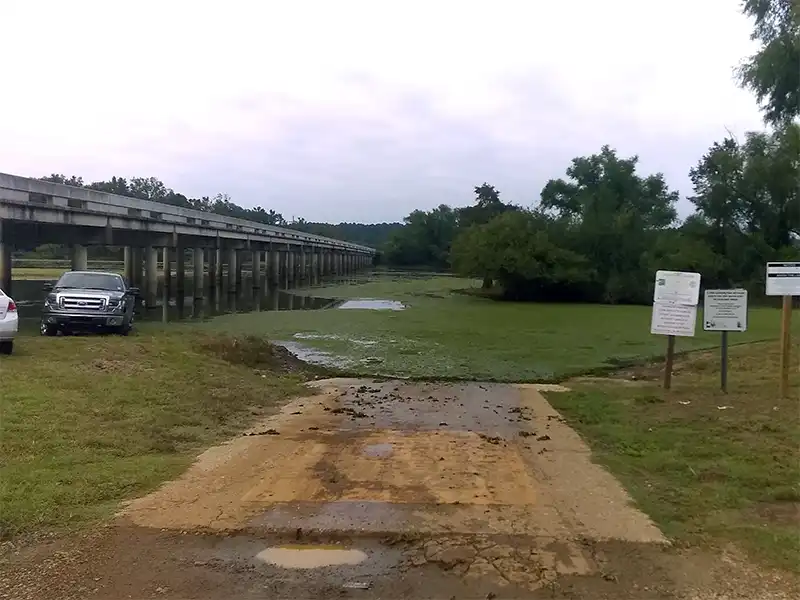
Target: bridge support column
(303, 264)
(232, 269)
(198, 264)
(239, 267)
(166, 269)
(151, 276)
(290, 267)
(314, 266)
(127, 258)
(212, 269)
(136, 266)
(6, 248)
(80, 258)
(256, 262)
(273, 267)
(180, 274)
(166, 265)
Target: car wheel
(47, 329)
(6, 347)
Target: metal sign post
(724, 311)
(674, 311)
(783, 279)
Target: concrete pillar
(239, 265)
(136, 267)
(6, 248)
(303, 264)
(166, 265)
(291, 266)
(212, 269)
(151, 276)
(231, 270)
(275, 268)
(128, 264)
(218, 268)
(180, 273)
(199, 259)
(256, 262)
(166, 270)
(80, 258)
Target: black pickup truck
(88, 301)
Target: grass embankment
(52, 270)
(447, 335)
(708, 467)
(88, 421)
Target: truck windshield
(91, 281)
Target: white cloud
(365, 110)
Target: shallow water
(310, 557)
(371, 304)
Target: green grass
(88, 421)
(705, 475)
(449, 335)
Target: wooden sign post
(674, 311)
(783, 279)
(786, 344)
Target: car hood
(85, 292)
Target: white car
(9, 323)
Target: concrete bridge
(158, 238)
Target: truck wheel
(6, 347)
(47, 329)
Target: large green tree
(523, 251)
(425, 239)
(615, 216)
(773, 73)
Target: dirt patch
(781, 513)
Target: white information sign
(725, 310)
(680, 287)
(671, 318)
(783, 279)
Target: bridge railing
(46, 194)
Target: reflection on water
(29, 295)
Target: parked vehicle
(88, 301)
(9, 323)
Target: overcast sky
(365, 110)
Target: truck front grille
(83, 303)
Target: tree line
(600, 233)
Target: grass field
(88, 421)
(705, 474)
(449, 335)
(53, 272)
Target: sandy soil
(449, 491)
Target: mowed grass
(448, 335)
(88, 421)
(708, 467)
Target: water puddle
(378, 450)
(372, 304)
(298, 556)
